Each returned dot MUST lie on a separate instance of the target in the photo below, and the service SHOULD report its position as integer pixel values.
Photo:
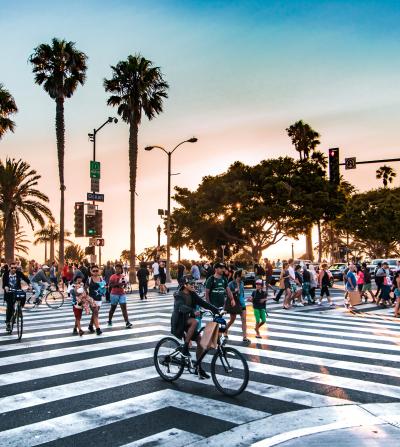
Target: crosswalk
(60, 389)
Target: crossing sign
(350, 163)
(94, 169)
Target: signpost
(91, 209)
(95, 185)
(350, 163)
(94, 169)
(95, 197)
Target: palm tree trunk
(319, 241)
(133, 155)
(9, 239)
(60, 134)
(45, 252)
(52, 242)
(309, 249)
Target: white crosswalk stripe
(307, 358)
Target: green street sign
(94, 169)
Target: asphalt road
(315, 367)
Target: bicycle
(53, 298)
(229, 368)
(17, 317)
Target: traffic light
(99, 242)
(79, 213)
(334, 173)
(90, 250)
(90, 223)
(99, 223)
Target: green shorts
(366, 287)
(260, 314)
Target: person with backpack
(378, 280)
(259, 300)
(324, 280)
(386, 285)
(217, 290)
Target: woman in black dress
(163, 278)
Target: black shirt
(143, 274)
(257, 296)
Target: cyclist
(38, 280)
(12, 281)
(184, 323)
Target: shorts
(98, 303)
(163, 280)
(156, 277)
(366, 287)
(77, 312)
(360, 287)
(117, 299)
(260, 314)
(397, 293)
(293, 287)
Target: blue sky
(239, 74)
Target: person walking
(217, 289)
(397, 294)
(378, 281)
(307, 284)
(313, 282)
(386, 285)
(117, 284)
(108, 271)
(367, 286)
(351, 284)
(155, 268)
(181, 274)
(237, 288)
(324, 279)
(163, 278)
(195, 271)
(97, 289)
(277, 297)
(259, 301)
(287, 285)
(143, 278)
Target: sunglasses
(95, 271)
(13, 268)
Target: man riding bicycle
(11, 282)
(184, 323)
(38, 280)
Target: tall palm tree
(387, 174)
(48, 235)
(7, 108)
(19, 197)
(60, 68)
(305, 140)
(137, 88)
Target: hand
(197, 313)
(232, 302)
(6, 289)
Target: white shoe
(300, 304)
(319, 303)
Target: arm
(181, 306)
(230, 295)
(25, 279)
(202, 303)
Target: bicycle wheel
(54, 299)
(30, 301)
(19, 321)
(167, 359)
(229, 371)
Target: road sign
(94, 169)
(99, 242)
(92, 241)
(350, 163)
(91, 209)
(95, 184)
(95, 197)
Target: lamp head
(111, 119)
(192, 140)
(148, 148)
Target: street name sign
(350, 163)
(95, 197)
(94, 169)
(95, 185)
(91, 209)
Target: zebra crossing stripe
(168, 438)
(71, 424)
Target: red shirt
(116, 289)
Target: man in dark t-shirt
(217, 287)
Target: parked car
(276, 273)
(337, 270)
(249, 279)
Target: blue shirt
(351, 282)
(233, 285)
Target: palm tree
(74, 253)
(304, 138)
(137, 87)
(7, 108)
(387, 174)
(48, 235)
(60, 68)
(19, 197)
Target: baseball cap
(188, 280)
(45, 267)
(259, 281)
(219, 265)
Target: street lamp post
(169, 154)
(158, 238)
(292, 250)
(223, 253)
(92, 138)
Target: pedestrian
(126, 268)
(281, 283)
(195, 271)
(237, 288)
(80, 301)
(259, 301)
(155, 268)
(397, 294)
(351, 284)
(298, 294)
(143, 278)
(268, 275)
(367, 286)
(360, 280)
(181, 274)
(217, 289)
(313, 282)
(108, 271)
(287, 286)
(378, 280)
(163, 278)
(386, 285)
(117, 284)
(307, 284)
(97, 289)
(324, 279)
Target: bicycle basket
(19, 295)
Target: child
(259, 300)
(80, 301)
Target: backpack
(212, 285)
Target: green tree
(21, 241)
(7, 108)
(387, 174)
(19, 197)
(137, 88)
(151, 253)
(74, 253)
(49, 234)
(59, 67)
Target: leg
(232, 318)
(95, 317)
(244, 325)
(111, 312)
(257, 317)
(190, 330)
(124, 311)
(145, 284)
(9, 299)
(141, 294)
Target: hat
(259, 281)
(219, 265)
(187, 280)
(45, 267)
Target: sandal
(258, 336)
(246, 340)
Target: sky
(239, 73)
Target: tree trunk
(319, 241)
(60, 134)
(133, 155)
(309, 247)
(45, 252)
(9, 239)
(52, 243)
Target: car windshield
(391, 261)
(376, 261)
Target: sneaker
(332, 305)
(8, 327)
(98, 331)
(184, 350)
(319, 303)
(201, 373)
(128, 325)
(246, 340)
(300, 304)
(109, 323)
(75, 331)
(91, 329)
(276, 299)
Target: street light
(292, 250)
(169, 154)
(223, 253)
(92, 138)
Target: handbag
(354, 298)
(236, 309)
(209, 338)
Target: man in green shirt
(217, 287)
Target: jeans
(306, 291)
(385, 295)
(37, 287)
(279, 294)
(9, 299)
(142, 289)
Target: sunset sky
(239, 74)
